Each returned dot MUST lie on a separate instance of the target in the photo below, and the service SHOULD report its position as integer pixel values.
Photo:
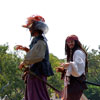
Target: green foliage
(85, 47)
(56, 79)
(10, 77)
(93, 92)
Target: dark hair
(70, 52)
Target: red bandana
(71, 37)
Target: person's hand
(59, 69)
(21, 65)
(17, 47)
(65, 65)
(25, 49)
(62, 67)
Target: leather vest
(43, 67)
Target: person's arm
(20, 47)
(36, 54)
(78, 64)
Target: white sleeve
(36, 54)
(78, 63)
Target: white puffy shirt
(36, 54)
(77, 66)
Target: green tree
(56, 79)
(10, 77)
(93, 74)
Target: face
(33, 33)
(71, 44)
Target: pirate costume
(38, 60)
(75, 72)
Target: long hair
(70, 52)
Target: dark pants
(76, 87)
(35, 89)
(74, 96)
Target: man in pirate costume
(74, 71)
(37, 58)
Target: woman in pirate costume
(74, 71)
(37, 58)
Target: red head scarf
(71, 37)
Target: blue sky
(64, 17)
